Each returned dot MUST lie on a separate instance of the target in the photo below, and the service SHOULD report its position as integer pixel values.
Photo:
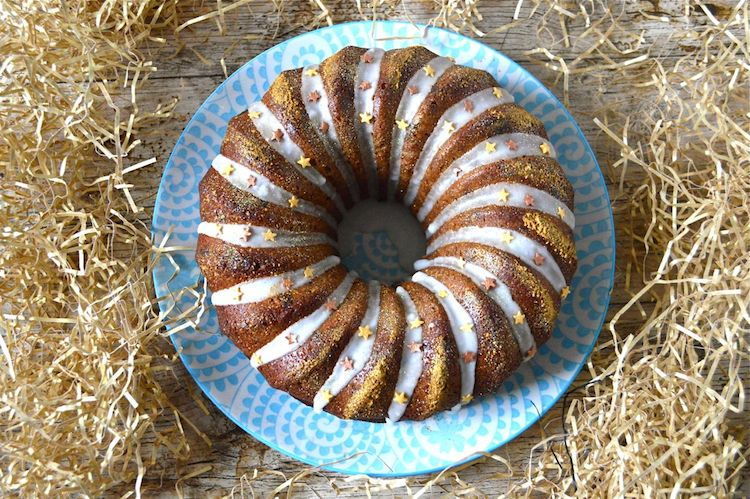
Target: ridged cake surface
(474, 168)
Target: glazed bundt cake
(476, 170)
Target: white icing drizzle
(267, 124)
(264, 189)
(358, 350)
(500, 294)
(525, 145)
(363, 103)
(489, 196)
(520, 246)
(411, 360)
(319, 112)
(466, 341)
(458, 116)
(257, 290)
(298, 333)
(407, 109)
(252, 236)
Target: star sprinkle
(219, 228)
(560, 212)
(278, 135)
(506, 237)
(238, 296)
(565, 292)
(415, 346)
(314, 96)
(428, 70)
(311, 72)
(489, 147)
(256, 359)
(448, 127)
(227, 170)
(365, 85)
(326, 394)
(442, 293)
(503, 195)
(412, 90)
(489, 283)
(254, 115)
(461, 262)
(530, 352)
(469, 357)
(324, 127)
(309, 272)
(467, 328)
(251, 180)
(528, 200)
(347, 363)
(293, 201)
(400, 398)
(364, 332)
(402, 124)
(287, 283)
(538, 258)
(269, 235)
(365, 118)
(511, 144)
(246, 233)
(469, 105)
(367, 57)
(544, 147)
(467, 398)
(497, 92)
(331, 305)
(291, 338)
(303, 161)
(519, 318)
(415, 323)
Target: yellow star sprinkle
(364, 332)
(442, 293)
(461, 262)
(565, 292)
(448, 127)
(227, 170)
(544, 147)
(303, 161)
(560, 212)
(269, 235)
(503, 195)
(311, 72)
(240, 294)
(489, 147)
(326, 394)
(402, 124)
(309, 272)
(414, 324)
(365, 117)
(293, 201)
(428, 70)
(254, 115)
(506, 237)
(256, 359)
(400, 398)
(467, 328)
(467, 398)
(497, 92)
(519, 318)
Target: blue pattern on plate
(405, 448)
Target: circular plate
(405, 448)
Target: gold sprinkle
(227, 170)
(256, 359)
(311, 72)
(415, 323)
(364, 332)
(442, 293)
(544, 147)
(402, 124)
(467, 328)
(293, 201)
(565, 292)
(519, 318)
(269, 235)
(309, 272)
(503, 195)
(560, 212)
(497, 92)
(326, 394)
(254, 115)
(365, 117)
(428, 70)
(400, 398)
(489, 146)
(506, 237)
(448, 127)
(303, 161)
(467, 398)
(239, 294)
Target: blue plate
(406, 448)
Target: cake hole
(381, 240)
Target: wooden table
(232, 452)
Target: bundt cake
(476, 170)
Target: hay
(661, 412)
